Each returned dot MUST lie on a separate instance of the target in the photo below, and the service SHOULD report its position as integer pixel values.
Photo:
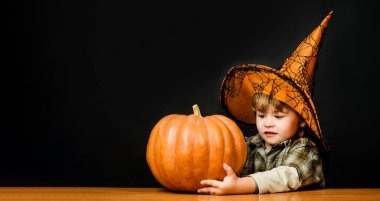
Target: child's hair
(261, 102)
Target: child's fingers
(207, 190)
(211, 182)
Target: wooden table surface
(159, 194)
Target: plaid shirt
(300, 153)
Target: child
(286, 154)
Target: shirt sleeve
(279, 179)
(304, 157)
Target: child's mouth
(270, 134)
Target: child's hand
(231, 184)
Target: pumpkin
(182, 150)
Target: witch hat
(292, 84)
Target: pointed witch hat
(291, 84)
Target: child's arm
(278, 179)
(231, 184)
(301, 167)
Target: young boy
(286, 154)
(284, 158)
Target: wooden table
(159, 194)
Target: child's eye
(279, 116)
(260, 115)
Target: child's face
(276, 126)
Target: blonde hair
(261, 102)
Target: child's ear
(302, 124)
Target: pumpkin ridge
(189, 172)
(207, 143)
(216, 153)
(228, 143)
(240, 148)
(200, 161)
(180, 151)
(161, 150)
(177, 181)
(161, 176)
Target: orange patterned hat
(292, 83)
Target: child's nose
(268, 122)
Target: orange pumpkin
(182, 150)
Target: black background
(84, 82)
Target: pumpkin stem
(196, 110)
